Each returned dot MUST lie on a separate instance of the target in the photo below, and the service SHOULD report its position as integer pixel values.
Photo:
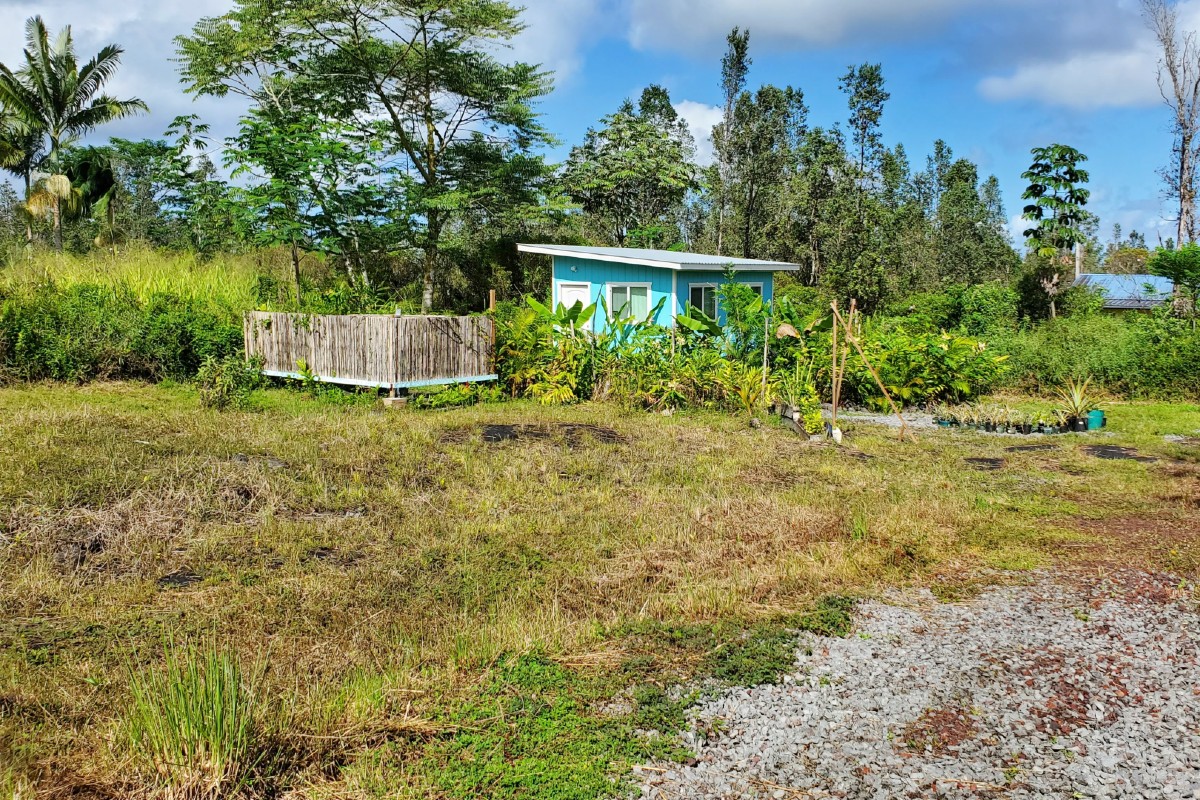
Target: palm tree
(59, 100)
(92, 172)
(20, 152)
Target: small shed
(636, 279)
(1129, 292)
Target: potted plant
(1077, 404)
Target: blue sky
(992, 77)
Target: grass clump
(194, 724)
(766, 652)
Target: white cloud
(1102, 77)
(1083, 81)
(686, 24)
(146, 29)
(555, 33)
(701, 118)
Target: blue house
(1129, 292)
(635, 280)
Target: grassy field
(417, 611)
(226, 279)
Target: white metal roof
(666, 259)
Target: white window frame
(760, 285)
(608, 294)
(716, 299)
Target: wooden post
(834, 380)
(904, 431)
(492, 322)
(766, 343)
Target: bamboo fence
(372, 350)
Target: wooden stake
(766, 343)
(904, 431)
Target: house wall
(599, 274)
(688, 278)
(674, 285)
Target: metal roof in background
(668, 259)
(1129, 292)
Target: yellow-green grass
(391, 568)
(226, 279)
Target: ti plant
(1077, 398)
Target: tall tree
(863, 87)
(422, 77)
(1179, 84)
(971, 244)
(735, 66)
(1056, 209)
(52, 95)
(632, 173)
(764, 140)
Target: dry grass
(382, 562)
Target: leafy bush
(1135, 355)
(465, 394)
(88, 331)
(987, 308)
(921, 368)
(227, 382)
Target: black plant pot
(1041, 427)
(1079, 425)
(989, 427)
(1027, 429)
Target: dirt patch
(575, 434)
(1155, 542)
(940, 730)
(987, 464)
(180, 579)
(1112, 452)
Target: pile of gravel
(1051, 690)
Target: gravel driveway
(1060, 689)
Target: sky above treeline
(993, 78)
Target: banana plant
(565, 319)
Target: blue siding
(688, 278)
(598, 275)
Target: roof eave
(549, 250)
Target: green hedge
(1136, 355)
(92, 331)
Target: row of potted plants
(1080, 412)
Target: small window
(757, 287)
(629, 301)
(704, 298)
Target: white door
(571, 293)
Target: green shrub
(83, 331)
(194, 724)
(227, 382)
(921, 368)
(1135, 355)
(987, 308)
(465, 394)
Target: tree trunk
(427, 294)
(28, 224)
(58, 236)
(433, 235)
(296, 273)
